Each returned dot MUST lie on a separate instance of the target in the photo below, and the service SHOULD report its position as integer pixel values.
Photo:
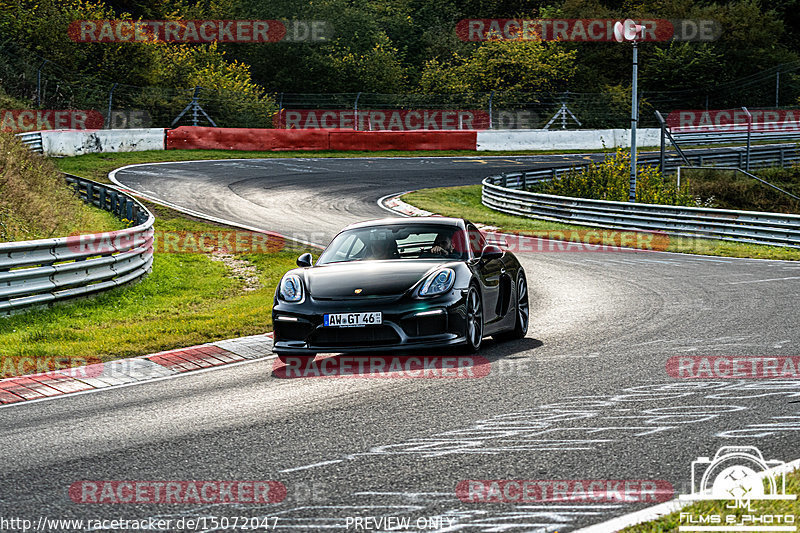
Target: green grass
(735, 190)
(36, 202)
(187, 299)
(465, 201)
(671, 522)
(97, 166)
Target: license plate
(351, 320)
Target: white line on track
(760, 280)
(307, 467)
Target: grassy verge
(36, 203)
(465, 201)
(189, 298)
(671, 522)
(97, 166)
(733, 190)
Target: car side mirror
(490, 252)
(305, 260)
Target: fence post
(110, 99)
(749, 128)
(491, 98)
(355, 109)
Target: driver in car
(381, 247)
(443, 245)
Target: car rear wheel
(474, 329)
(521, 310)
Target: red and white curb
(395, 205)
(121, 372)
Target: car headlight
(291, 289)
(439, 282)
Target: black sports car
(401, 283)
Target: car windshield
(407, 241)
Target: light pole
(634, 120)
(629, 31)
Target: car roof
(393, 221)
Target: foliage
(35, 201)
(610, 180)
(517, 65)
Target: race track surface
(585, 396)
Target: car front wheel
(521, 310)
(474, 329)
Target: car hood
(374, 278)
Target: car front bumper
(407, 323)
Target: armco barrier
(37, 273)
(502, 193)
(197, 137)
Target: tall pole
(634, 120)
(777, 87)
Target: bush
(610, 180)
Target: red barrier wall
(196, 137)
(403, 140)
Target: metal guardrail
(505, 193)
(32, 140)
(760, 157)
(39, 273)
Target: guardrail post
(524, 181)
(782, 158)
(505, 179)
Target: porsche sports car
(397, 284)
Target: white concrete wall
(79, 142)
(565, 139)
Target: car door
(489, 273)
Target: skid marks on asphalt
(727, 410)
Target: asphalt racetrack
(585, 396)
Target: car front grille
(364, 336)
(425, 325)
